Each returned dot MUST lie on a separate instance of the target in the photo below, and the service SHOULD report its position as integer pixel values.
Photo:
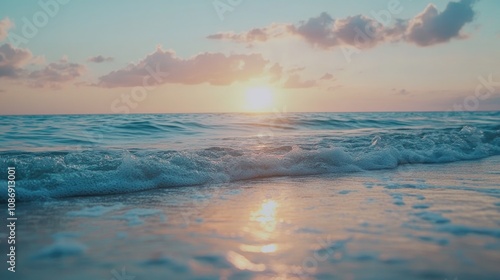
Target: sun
(259, 99)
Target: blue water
(75, 155)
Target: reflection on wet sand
(303, 228)
(266, 218)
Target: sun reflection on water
(266, 215)
(269, 248)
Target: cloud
(296, 70)
(294, 81)
(276, 71)
(401, 91)
(255, 35)
(318, 31)
(327, 76)
(163, 66)
(325, 32)
(334, 88)
(56, 74)
(359, 31)
(431, 27)
(12, 60)
(427, 28)
(5, 25)
(321, 32)
(99, 59)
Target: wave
(57, 174)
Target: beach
(423, 222)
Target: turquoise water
(73, 155)
(254, 196)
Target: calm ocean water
(74, 155)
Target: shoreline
(383, 223)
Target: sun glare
(259, 99)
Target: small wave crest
(47, 175)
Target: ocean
(86, 155)
(412, 195)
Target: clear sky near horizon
(84, 57)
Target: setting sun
(259, 99)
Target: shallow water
(414, 222)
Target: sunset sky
(81, 57)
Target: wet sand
(416, 222)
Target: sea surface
(93, 155)
(301, 196)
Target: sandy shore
(416, 222)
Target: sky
(120, 57)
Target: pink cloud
(427, 28)
(5, 25)
(163, 66)
(327, 76)
(318, 31)
(273, 31)
(294, 81)
(12, 60)
(276, 71)
(100, 59)
(56, 74)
